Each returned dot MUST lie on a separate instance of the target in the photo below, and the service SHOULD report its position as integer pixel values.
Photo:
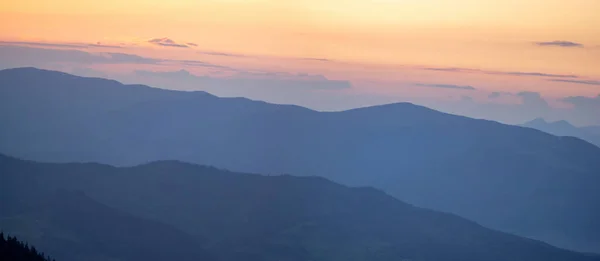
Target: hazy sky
(483, 58)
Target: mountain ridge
(510, 178)
(242, 216)
(590, 134)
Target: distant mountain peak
(563, 123)
(541, 122)
(537, 121)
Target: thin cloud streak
(24, 55)
(586, 82)
(166, 42)
(468, 70)
(221, 54)
(566, 44)
(446, 86)
(316, 59)
(58, 45)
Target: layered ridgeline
(176, 211)
(564, 128)
(510, 178)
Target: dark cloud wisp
(583, 101)
(59, 45)
(586, 82)
(495, 95)
(166, 42)
(316, 59)
(468, 70)
(221, 54)
(567, 44)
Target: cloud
(495, 95)
(587, 108)
(261, 82)
(468, 70)
(101, 45)
(192, 44)
(316, 59)
(221, 54)
(559, 44)
(196, 63)
(166, 42)
(20, 56)
(466, 98)
(584, 110)
(533, 100)
(237, 55)
(41, 44)
(535, 74)
(447, 86)
(586, 82)
(59, 45)
(583, 102)
(125, 58)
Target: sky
(509, 60)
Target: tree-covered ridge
(11, 249)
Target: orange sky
(370, 40)
(471, 33)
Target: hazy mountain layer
(590, 134)
(505, 177)
(234, 216)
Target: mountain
(510, 178)
(235, 216)
(592, 129)
(11, 249)
(71, 226)
(590, 134)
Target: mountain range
(564, 128)
(509, 178)
(170, 210)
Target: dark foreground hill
(11, 249)
(99, 212)
(510, 178)
(71, 226)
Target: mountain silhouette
(11, 249)
(71, 226)
(564, 128)
(91, 211)
(510, 178)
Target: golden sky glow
(495, 35)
